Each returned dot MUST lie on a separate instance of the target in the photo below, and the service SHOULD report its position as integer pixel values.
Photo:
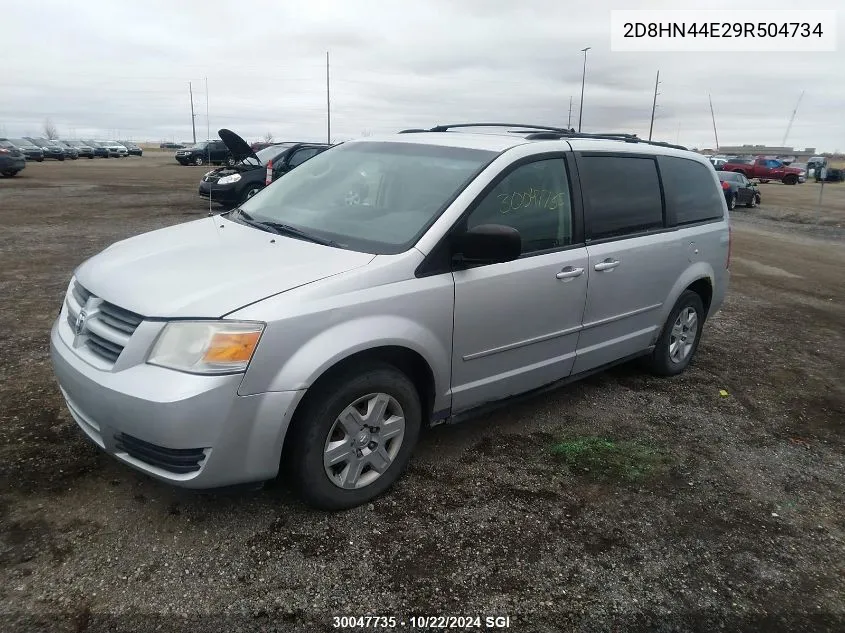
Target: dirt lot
(624, 502)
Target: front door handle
(608, 264)
(569, 272)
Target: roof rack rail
(446, 128)
(547, 133)
(627, 138)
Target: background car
(214, 152)
(233, 185)
(115, 149)
(70, 151)
(29, 149)
(100, 151)
(739, 190)
(133, 149)
(171, 146)
(84, 150)
(12, 159)
(50, 149)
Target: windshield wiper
(283, 229)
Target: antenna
(791, 119)
(328, 104)
(654, 104)
(713, 116)
(569, 120)
(208, 136)
(193, 116)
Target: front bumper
(219, 193)
(239, 437)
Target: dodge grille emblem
(79, 326)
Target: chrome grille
(107, 329)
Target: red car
(765, 169)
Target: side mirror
(488, 244)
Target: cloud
(124, 68)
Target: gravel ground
(726, 514)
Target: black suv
(133, 149)
(232, 185)
(84, 150)
(214, 152)
(50, 149)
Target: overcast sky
(120, 69)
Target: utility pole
(328, 104)
(653, 105)
(583, 77)
(193, 116)
(569, 121)
(713, 116)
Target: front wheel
(791, 179)
(251, 191)
(231, 161)
(199, 161)
(752, 203)
(353, 438)
(732, 202)
(679, 339)
(10, 173)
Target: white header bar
(770, 31)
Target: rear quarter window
(621, 195)
(691, 193)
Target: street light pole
(583, 77)
(654, 105)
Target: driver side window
(535, 200)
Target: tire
(317, 424)
(757, 199)
(250, 191)
(10, 174)
(230, 162)
(791, 179)
(764, 181)
(199, 161)
(666, 361)
(752, 203)
(39, 160)
(732, 202)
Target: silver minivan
(387, 284)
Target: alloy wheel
(683, 335)
(363, 441)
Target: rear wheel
(353, 437)
(679, 339)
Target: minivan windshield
(375, 197)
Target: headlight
(228, 180)
(206, 347)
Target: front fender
(313, 357)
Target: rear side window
(691, 194)
(621, 195)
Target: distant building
(799, 155)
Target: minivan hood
(208, 268)
(239, 148)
